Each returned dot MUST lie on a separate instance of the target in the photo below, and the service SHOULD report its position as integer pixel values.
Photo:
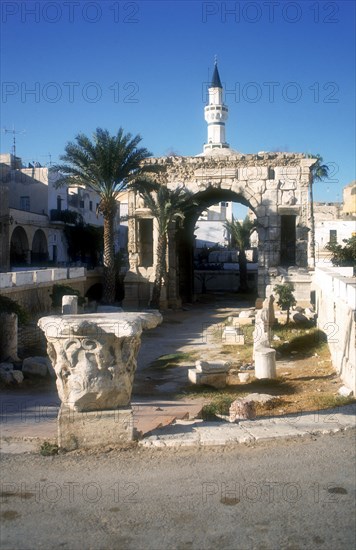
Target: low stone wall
(32, 289)
(30, 277)
(335, 293)
(222, 280)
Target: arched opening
(19, 247)
(39, 248)
(205, 249)
(95, 293)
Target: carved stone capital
(94, 356)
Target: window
(145, 227)
(224, 204)
(333, 236)
(91, 206)
(59, 203)
(81, 204)
(25, 203)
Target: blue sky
(288, 69)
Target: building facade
(32, 228)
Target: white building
(210, 229)
(38, 212)
(334, 222)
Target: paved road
(276, 495)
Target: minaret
(216, 114)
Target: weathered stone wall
(34, 294)
(335, 290)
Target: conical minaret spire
(216, 113)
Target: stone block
(242, 409)
(22, 278)
(36, 366)
(244, 377)
(253, 173)
(76, 272)
(69, 305)
(299, 317)
(232, 337)
(43, 276)
(59, 273)
(5, 280)
(287, 174)
(85, 430)
(18, 376)
(212, 368)
(216, 380)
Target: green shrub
(10, 306)
(49, 449)
(286, 298)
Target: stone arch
(19, 247)
(39, 253)
(274, 185)
(185, 236)
(95, 292)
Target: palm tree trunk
(312, 224)
(160, 271)
(109, 264)
(243, 271)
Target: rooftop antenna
(14, 133)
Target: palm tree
(166, 206)
(106, 164)
(240, 237)
(318, 172)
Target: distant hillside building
(334, 222)
(349, 199)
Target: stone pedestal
(95, 428)
(8, 337)
(242, 409)
(69, 305)
(94, 358)
(232, 337)
(209, 374)
(265, 362)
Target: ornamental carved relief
(94, 357)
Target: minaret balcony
(212, 115)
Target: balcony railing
(66, 216)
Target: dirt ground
(306, 379)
